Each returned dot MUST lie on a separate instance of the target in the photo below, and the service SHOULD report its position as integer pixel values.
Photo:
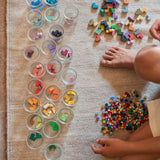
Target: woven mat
(95, 84)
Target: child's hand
(155, 29)
(111, 148)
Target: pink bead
(39, 66)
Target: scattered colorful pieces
(108, 7)
(127, 111)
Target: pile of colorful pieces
(52, 1)
(36, 121)
(49, 109)
(127, 111)
(69, 97)
(35, 136)
(57, 33)
(109, 7)
(33, 102)
(39, 87)
(51, 48)
(38, 70)
(51, 68)
(66, 53)
(54, 125)
(54, 92)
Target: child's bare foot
(119, 57)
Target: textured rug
(95, 84)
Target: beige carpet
(95, 84)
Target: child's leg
(119, 57)
(146, 62)
(141, 133)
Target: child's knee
(147, 63)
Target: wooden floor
(3, 53)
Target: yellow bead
(71, 102)
(102, 107)
(67, 100)
(95, 24)
(38, 125)
(106, 10)
(71, 93)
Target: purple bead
(57, 33)
(97, 118)
(51, 48)
(104, 6)
(126, 35)
(114, 4)
(130, 19)
(114, 16)
(30, 53)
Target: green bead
(38, 136)
(102, 128)
(52, 147)
(32, 137)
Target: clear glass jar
(34, 140)
(71, 13)
(32, 104)
(70, 98)
(35, 34)
(65, 53)
(37, 70)
(65, 115)
(51, 129)
(35, 18)
(31, 53)
(36, 87)
(48, 110)
(52, 15)
(53, 152)
(56, 32)
(48, 47)
(34, 121)
(54, 67)
(69, 76)
(53, 93)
